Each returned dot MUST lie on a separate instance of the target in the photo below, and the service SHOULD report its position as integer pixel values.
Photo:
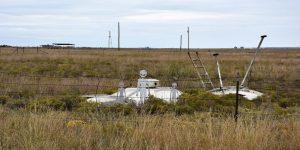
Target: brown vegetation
(40, 107)
(62, 130)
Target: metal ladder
(201, 70)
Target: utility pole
(188, 32)
(180, 42)
(118, 36)
(109, 39)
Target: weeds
(58, 130)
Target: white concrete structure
(138, 95)
(245, 92)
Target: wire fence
(55, 85)
(129, 80)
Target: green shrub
(281, 111)
(71, 102)
(274, 96)
(155, 105)
(47, 103)
(88, 107)
(284, 103)
(223, 108)
(123, 109)
(228, 100)
(197, 100)
(184, 109)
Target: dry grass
(56, 130)
(273, 67)
(21, 129)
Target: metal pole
(219, 71)
(237, 99)
(180, 42)
(118, 36)
(109, 39)
(188, 32)
(252, 61)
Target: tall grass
(59, 130)
(278, 68)
(22, 129)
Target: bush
(223, 108)
(88, 107)
(281, 111)
(123, 109)
(184, 109)
(155, 105)
(197, 100)
(46, 103)
(71, 102)
(274, 96)
(284, 103)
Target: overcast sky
(153, 23)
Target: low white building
(138, 95)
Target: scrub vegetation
(41, 105)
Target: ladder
(201, 70)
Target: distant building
(47, 46)
(63, 45)
(59, 45)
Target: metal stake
(237, 99)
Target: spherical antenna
(143, 73)
(121, 84)
(174, 85)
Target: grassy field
(40, 107)
(63, 130)
(81, 65)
